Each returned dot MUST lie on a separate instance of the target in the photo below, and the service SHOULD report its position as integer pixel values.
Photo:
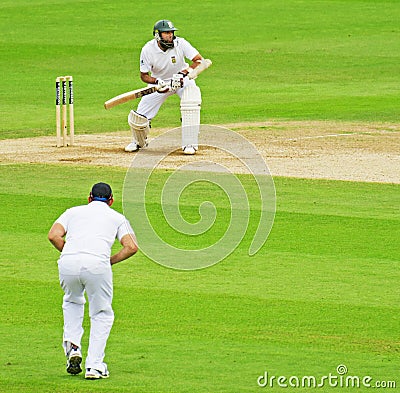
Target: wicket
(61, 121)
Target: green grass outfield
(322, 292)
(293, 59)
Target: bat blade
(128, 96)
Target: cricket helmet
(161, 26)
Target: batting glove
(162, 86)
(176, 82)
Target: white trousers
(150, 105)
(77, 276)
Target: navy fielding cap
(101, 192)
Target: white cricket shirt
(92, 230)
(162, 64)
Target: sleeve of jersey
(63, 219)
(124, 229)
(145, 65)
(188, 50)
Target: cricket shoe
(92, 373)
(74, 360)
(132, 147)
(189, 150)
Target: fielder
(85, 266)
(162, 63)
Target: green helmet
(163, 25)
(160, 27)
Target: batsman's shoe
(189, 150)
(92, 373)
(74, 360)
(132, 147)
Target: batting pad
(140, 127)
(190, 111)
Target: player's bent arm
(195, 63)
(56, 236)
(147, 78)
(162, 87)
(196, 60)
(129, 248)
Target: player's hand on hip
(176, 82)
(162, 86)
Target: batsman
(163, 63)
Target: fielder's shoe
(92, 373)
(189, 150)
(74, 360)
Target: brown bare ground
(313, 149)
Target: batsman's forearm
(146, 78)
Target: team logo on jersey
(173, 59)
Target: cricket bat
(130, 95)
(138, 93)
